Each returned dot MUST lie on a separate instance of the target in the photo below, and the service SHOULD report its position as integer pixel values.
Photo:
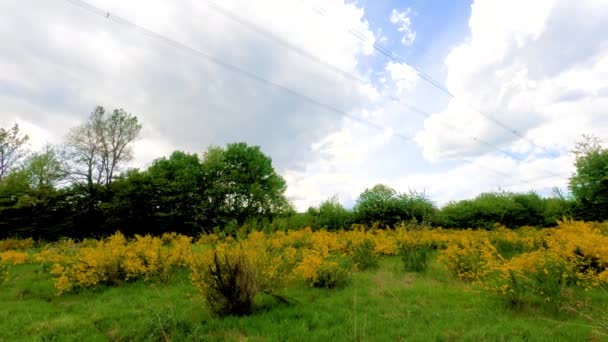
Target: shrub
(116, 259)
(509, 243)
(231, 285)
(319, 270)
(364, 256)
(541, 274)
(16, 244)
(330, 215)
(14, 257)
(471, 259)
(331, 274)
(415, 257)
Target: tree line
(82, 188)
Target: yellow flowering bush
(472, 259)
(116, 259)
(319, 270)
(14, 257)
(584, 246)
(540, 273)
(518, 264)
(510, 243)
(16, 244)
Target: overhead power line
(395, 57)
(348, 75)
(176, 44)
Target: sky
(481, 95)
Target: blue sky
(506, 59)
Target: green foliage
(330, 215)
(170, 193)
(364, 257)
(589, 184)
(415, 258)
(384, 205)
(506, 208)
(334, 274)
(242, 184)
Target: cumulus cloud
(524, 63)
(526, 66)
(65, 60)
(402, 20)
(404, 77)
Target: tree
(589, 184)
(241, 184)
(98, 148)
(330, 214)
(169, 195)
(510, 209)
(11, 148)
(44, 169)
(382, 204)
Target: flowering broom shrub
(541, 274)
(324, 271)
(471, 260)
(16, 244)
(14, 257)
(116, 260)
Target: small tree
(330, 214)
(384, 205)
(44, 169)
(11, 148)
(589, 184)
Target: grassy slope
(382, 305)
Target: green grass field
(386, 304)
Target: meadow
(369, 284)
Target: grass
(386, 304)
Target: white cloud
(65, 60)
(403, 21)
(404, 76)
(525, 65)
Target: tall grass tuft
(415, 257)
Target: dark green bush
(415, 257)
(364, 257)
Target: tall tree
(98, 148)
(589, 184)
(242, 184)
(11, 148)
